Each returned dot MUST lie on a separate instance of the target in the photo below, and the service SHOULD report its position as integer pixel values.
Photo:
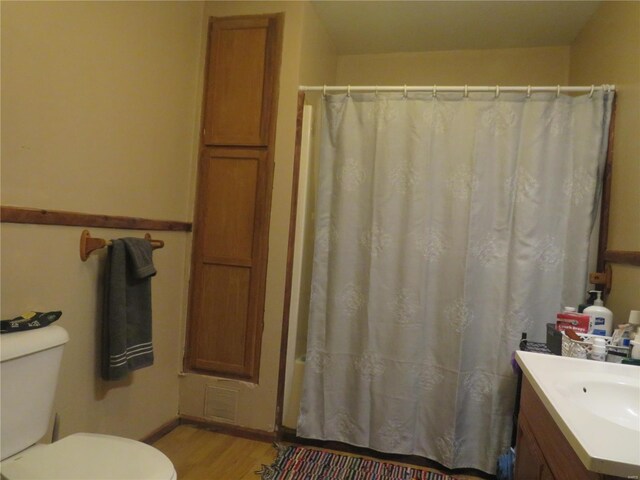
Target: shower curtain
(445, 227)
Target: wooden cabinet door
(231, 226)
(240, 80)
(229, 265)
(530, 464)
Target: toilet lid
(88, 456)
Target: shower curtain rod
(528, 89)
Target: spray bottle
(601, 318)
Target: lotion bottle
(601, 318)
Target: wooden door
(234, 197)
(530, 464)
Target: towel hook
(376, 91)
(324, 91)
(529, 91)
(558, 92)
(434, 93)
(404, 95)
(593, 87)
(348, 90)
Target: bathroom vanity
(578, 419)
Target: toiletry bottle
(634, 321)
(601, 318)
(635, 349)
(589, 300)
(599, 350)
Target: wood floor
(199, 454)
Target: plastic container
(601, 318)
(598, 350)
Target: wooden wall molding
(160, 432)
(228, 429)
(605, 202)
(284, 339)
(39, 216)
(622, 257)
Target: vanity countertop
(596, 405)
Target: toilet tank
(29, 366)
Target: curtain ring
(593, 87)
(324, 91)
(529, 91)
(348, 90)
(376, 91)
(497, 91)
(466, 91)
(434, 92)
(404, 95)
(558, 92)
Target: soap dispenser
(601, 318)
(589, 301)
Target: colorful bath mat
(300, 463)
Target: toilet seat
(88, 456)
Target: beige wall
(99, 110)
(608, 51)
(306, 55)
(100, 113)
(512, 66)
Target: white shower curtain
(445, 227)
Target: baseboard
(228, 429)
(161, 431)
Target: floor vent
(221, 404)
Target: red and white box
(578, 322)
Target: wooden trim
(9, 214)
(160, 432)
(234, 430)
(622, 257)
(603, 234)
(284, 337)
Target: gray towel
(126, 322)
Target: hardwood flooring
(200, 454)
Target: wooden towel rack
(88, 244)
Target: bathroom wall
(511, 66)
(608, 51)
(307, 57)
(99, 111)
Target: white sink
(613, 398)
(596, 405)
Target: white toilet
(30, 362)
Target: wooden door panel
(229, 191)
(235, 99)
(223, 306)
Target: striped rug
(300, 463)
